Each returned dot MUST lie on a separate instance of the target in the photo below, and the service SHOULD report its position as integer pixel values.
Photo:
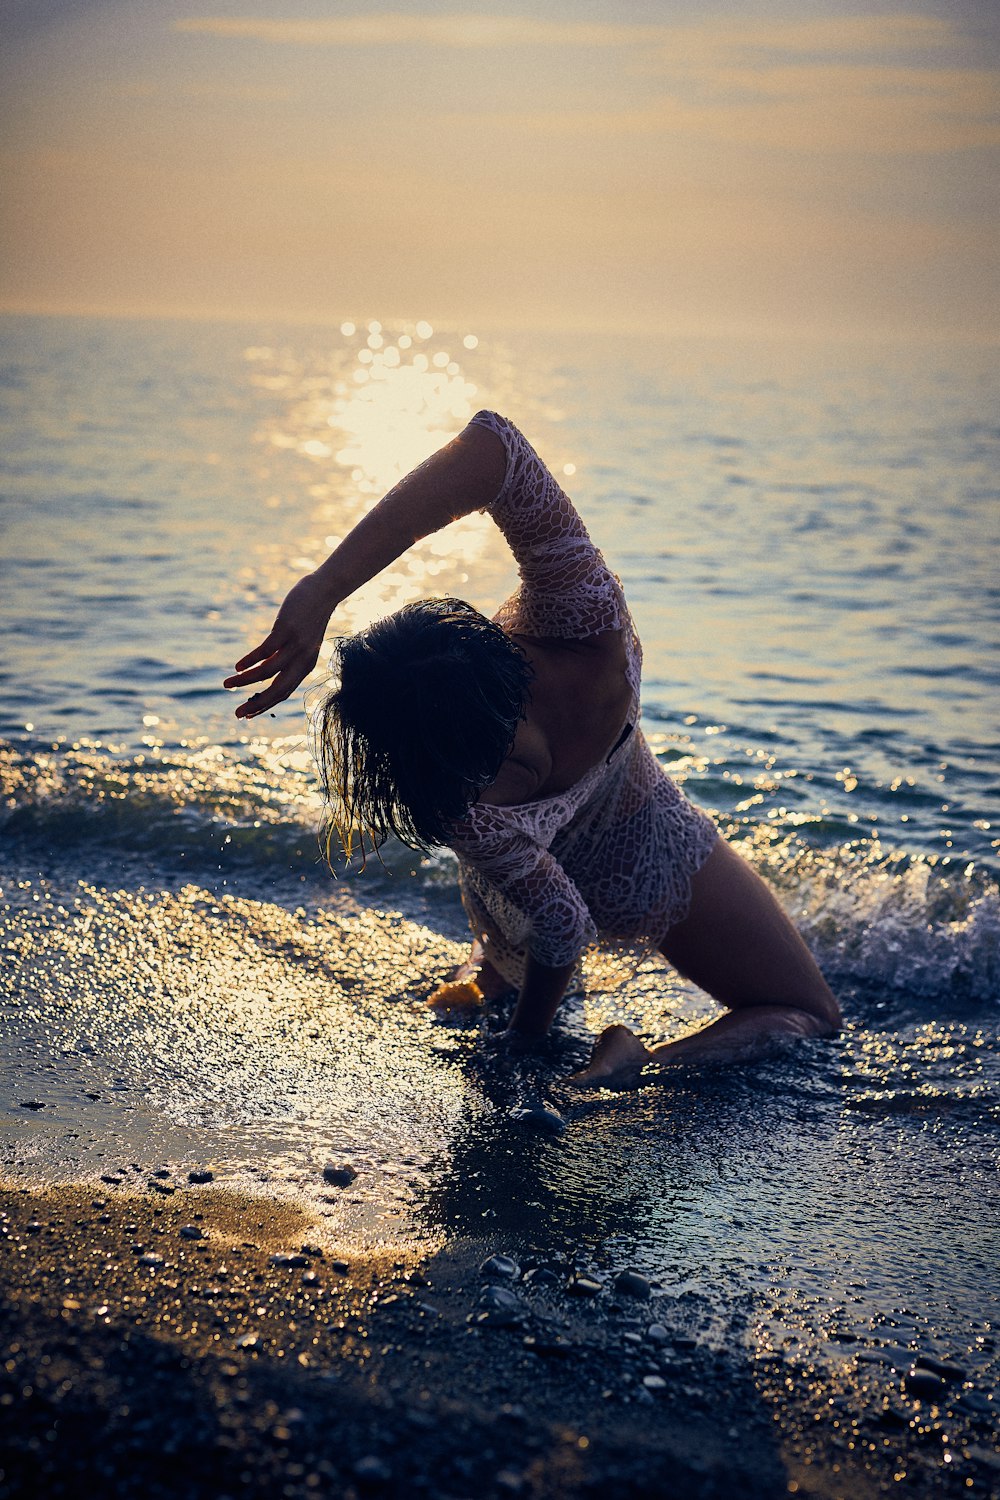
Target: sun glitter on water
(383, 403)
(402, 400)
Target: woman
(516, 742)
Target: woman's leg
(739, 945)
(477, 967)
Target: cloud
(825, 110)
(847, 35)
(393, 29)
(822, 37)
(879, 85)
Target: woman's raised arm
(462, 477)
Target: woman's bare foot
(478, 970)
(616, 1062)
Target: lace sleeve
(566, 587)
(523, 887)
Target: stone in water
(340, 1174)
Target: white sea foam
(902, 924)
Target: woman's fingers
(265, 649)
(267, 668)
(288, 653)
(281, 688)
(287, 668)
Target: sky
(791, 167)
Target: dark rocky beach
(169, 1338)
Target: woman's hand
(291, 650)
(460, 478)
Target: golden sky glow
(802, 168)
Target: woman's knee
(823, 1008)
(820, 1013)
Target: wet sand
(165, 1338)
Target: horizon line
(754, 330)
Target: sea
(808, 537)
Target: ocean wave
(906, 923)
(913, 924)
(200, 803)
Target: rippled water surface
(808, 539)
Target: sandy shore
(178, 1339)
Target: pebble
(248, 1341)
(340, 1266)
(499, 1308)
(584, 1286)
(501, 1266)
(541, 1276)
(923, 1383)
(494, 1318)
(536, 1117)
(657, 1333)
(500, 1298)
(631, 1284)
(339, 1174)
(654, 1382)
(201, 1174)
(149, 1259)
(191, 1232)
(372, 1470)
(282, 1259)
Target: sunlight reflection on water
(382, 407)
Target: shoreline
(188, 1340)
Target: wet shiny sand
(179, 1339)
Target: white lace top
(611, 858)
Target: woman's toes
(615, 1040)
(476, 974)
(617, 1060)
(457, 994)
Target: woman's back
(581, 702)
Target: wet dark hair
(421, 720)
